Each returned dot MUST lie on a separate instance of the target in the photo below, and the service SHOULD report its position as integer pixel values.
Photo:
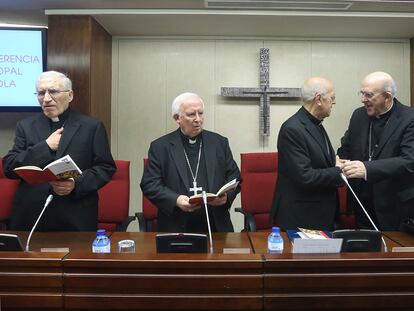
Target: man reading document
(184, 163)
(51, 135)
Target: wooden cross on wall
(264, 92)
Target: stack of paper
(306, 241)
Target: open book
(63, 168)
(313, 234)
(198, 198)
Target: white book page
(63, 165)
(227, 187)
(302, 235)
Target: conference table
(344, 281)
(61, 273)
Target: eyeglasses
(332, 98)
(52, 92)
(368, 95)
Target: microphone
(47, 202)
(208, 222)
(365, 211)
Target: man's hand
(354, 169)
(54, 139)
(221, 200)
(340, 162)
(63, 187)
(183, 202)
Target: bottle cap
(101, 231)
(275, 229)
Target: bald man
(379, 143)
(309, 172)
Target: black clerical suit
(166, 177)
(388, 192)
(306, 189)
(85, 140)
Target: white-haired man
(185, 161)
(48, 136)
(309, 173)
(379, 143)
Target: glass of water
(126, 246)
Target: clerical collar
(387, 113)
(192, 140)
(311, 117)
(61, 118)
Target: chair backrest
(259, 175)
(347, 218)
(8, 189)
(149, 212)
(114, 199)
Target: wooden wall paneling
(101, 75)
(412, 71)
(81, 48)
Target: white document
(316, 246)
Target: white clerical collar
(193, 140)
(54, 119)
(381, 114)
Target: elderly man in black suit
(379, 143)
(186, 161)
(309, 172)
(48, 136)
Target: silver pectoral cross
(195, 188)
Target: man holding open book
(186, 162)
(44, 138)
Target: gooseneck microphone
(47, 202)
(208, 221)
(365, 211)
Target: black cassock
(85, 140)
(167, 176)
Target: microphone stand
(366, 213)
(208, 222)
(48, 200)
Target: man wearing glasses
(379, 143)
(48, 136)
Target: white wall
(149, 72)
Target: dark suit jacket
(392, 167)
(306, 188)
(85, 140)
(165, 178)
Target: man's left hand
(219, 200)
(63, 187)
(354, 169)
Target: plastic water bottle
(101, 244)
(275, 242)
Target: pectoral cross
(195, 188)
